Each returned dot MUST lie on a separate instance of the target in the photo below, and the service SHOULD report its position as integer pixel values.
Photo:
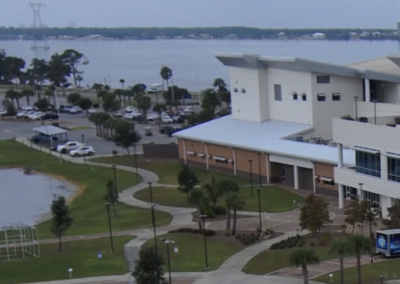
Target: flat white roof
(49, 130)
(266, 137)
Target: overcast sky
(196, 13)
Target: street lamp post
(203, 217)
(355, 102)
(83, 143)
(115, 177)
(168, 242)
(259, 207)
(361, 193)
(259, 169)
(251, 177)
(135, 156)
(375, 101)
(172, 90)
(109, 226)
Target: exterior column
(207, 157)
(340, 155)
(267, 168)
(234, 161)
(184, 151)
(384, 167)
(341, 196)
(367, 90)
(313, 180)
(296, 177)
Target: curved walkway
(228, 272)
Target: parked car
(132, 115)
(178, 119)
(36, 115)
(152, 116)
(92, 110)
(50, 116)
(75, 109)
(188, 110)
(23, 113)
(68, 146)
(3, 111)
(27, 108)
(65, 108)
(82, 151)
(117, 113)
(130, 109)
(165, 129)
(166, 119)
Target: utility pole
(39, 40)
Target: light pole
(134, 150)
(203, 218)
(109, 226)
(172, 90)
(370, 216)
(83, 144)
(251, 177)
(168, 242)
(115, 177)
(259, 168)
(355, 103)
(259, 207)
(375, 101)
(361, 193)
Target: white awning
(326, 179)
(230, 160)
(190, 153)
(366, 150)
(219, 158)
(393, 155)
(201, 155)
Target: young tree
(61, 220)
(357, 212)
(210, 100)
(149, 268)
(303, 257)
(73, 98)
(126, 136)
(111, 195)
(110, 103)
(341, 248)
(225, 97)
(226, 187)
(314, 214)
(359, 244)
(393, 220)
(85, 103)
(235, 202)
(197, 198)
(187, 180)
(57, 72)
(212, 191)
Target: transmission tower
(39, 40)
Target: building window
(350, 193)
(372, 198)
(336, 97)
(243, 91)
(303, 97)
(220, 160)
(278, 92)
(235, 90)
(295, 96)
(326, 181)
(323, 79)
(321, 97)
(368, 163)
(394, 169)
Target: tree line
(172, 32)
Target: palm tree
(12, 95)
(119, 93)
(225, 187)
(166, 74)
(236, 202)
(340, 247)
(27, 94)
(122, 81)
(197, 198)
(301, 258)
(212, 190)
(50, 94)
(359, 244)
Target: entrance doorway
(350, 193)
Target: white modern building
(287, 126)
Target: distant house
(231, 36)
(365, 34)
(354, 35)
(318, 36)
(205, 36)
(376, 34)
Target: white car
(92, 110)
(23, 113)
(82, 151)
(36, 115)
(188, 110)
(28, 113)
(68, 146)
(75, 109)
(27, 108)
(130, 109)
(132, 115)
(3, 111)
(117, 113)
(166, 119)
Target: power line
(39, 42)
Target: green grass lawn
(271, 260)
(165, 170)
(88, 209)
(273, 199)
(190, 256)
(370, 273)
(81, 256)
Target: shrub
(290, 242)
(114, 152)
(95, 105)
(207, 210)
(219, 210)
(247, 239)
(194, 231)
